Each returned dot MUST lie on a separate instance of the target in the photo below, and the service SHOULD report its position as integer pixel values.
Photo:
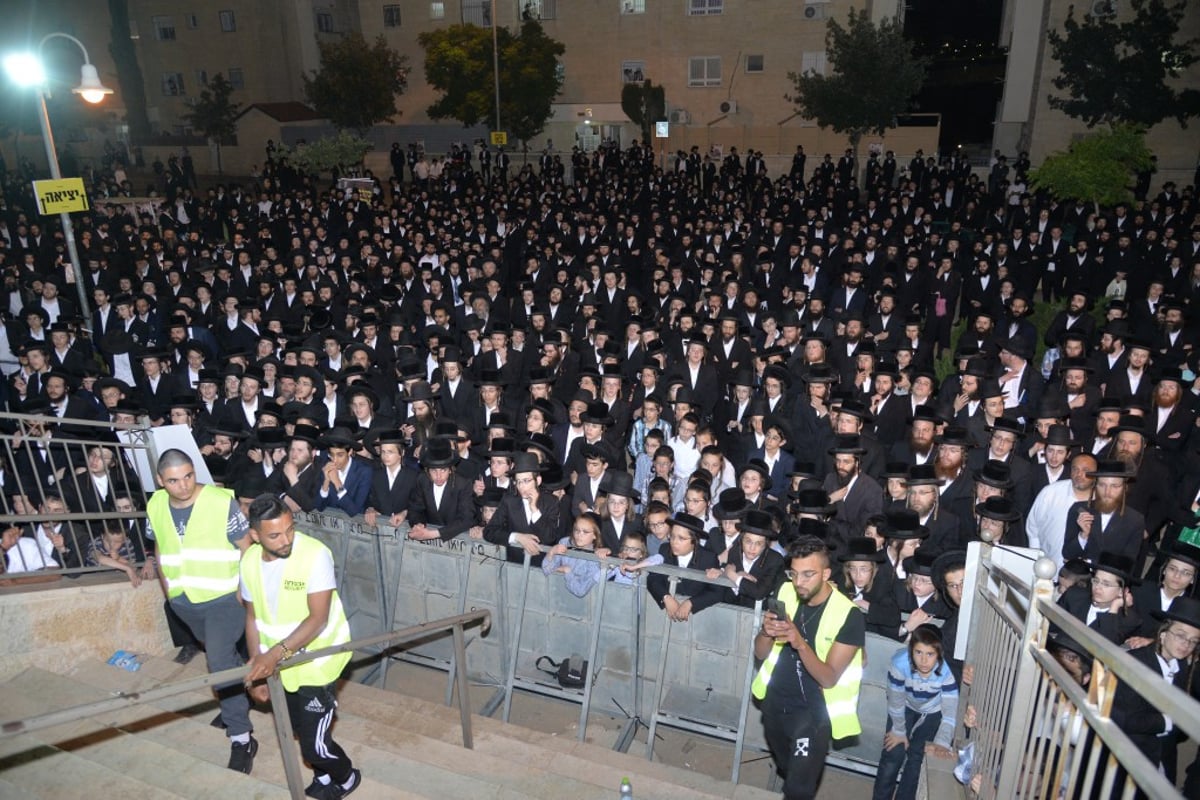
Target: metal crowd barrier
(68, 478)
(1039, 734)
(693, 676)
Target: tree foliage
(644, 104)
(458, 64)
(1121, 68)
(357, 83)
(1099, 168)
(129, 71)
(875, 75)
(342, 152)
(215, 115)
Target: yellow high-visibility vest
(292, 609)
(841, 699)
(202, 564)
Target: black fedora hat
(553, 477)
(813, 501)
(956, 436)
(759, 466)
(1131, 423)
(731, 504)
(999, 508)
(862, 548)
(856, 408)
(1058, 435)
(847, 444)
(597, 413)
(339, 437)
(306, 433)
(923, 475)
(525, 462)
(438, 452)
(600, 450)
(903, 523)
(1182, 609)
(542, 442)
(758, 522)
(1007, 425)
(996, 474)
(926, 413)
(689, 522)
(502, 447)
(1181, 551)
(1117, 564)
(920, 563)
(421, 390)
(1018, 346)
(620, 483)
(1111, 469)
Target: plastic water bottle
(626, 789)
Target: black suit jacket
(455, 515)
(1114, 627)
(702, 594)
(1123, 534)
(396, 498)
(511, 517)
(767, 572)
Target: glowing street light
(26, 69)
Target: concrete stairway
(407, 748)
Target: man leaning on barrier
(200, 533)
(811, 669)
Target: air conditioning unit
(680, 116)
(815, 11)
(1104, 8)
(728, 107)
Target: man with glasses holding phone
(811, 649)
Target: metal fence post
(1028, 670)
(283, 732)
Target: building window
(324, 22)
(702, 8)
(537, 9)
(237, 78)
(172, 84)
(193, 21)
(437, 10)
(633, 6)
(477, 12)
(202, 77)
(228, 22)
(164, 29)
(704, 71)
(754, 63)
(391, 16)
(813, 63)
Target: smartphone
(775, 606)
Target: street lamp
(25, 69)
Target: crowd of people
(704, 367)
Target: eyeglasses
(1183, 572)
(656, 525)
(1182, 638)
(807, 575)
(1105, 584)
(524, 481)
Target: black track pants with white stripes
(312, 709)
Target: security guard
(292, 604)
(199, 534)
(811, 668)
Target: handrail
(283, 726)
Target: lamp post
(26, 70)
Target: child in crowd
(581, 574)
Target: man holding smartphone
(811, 653)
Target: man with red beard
(1171, 419)
(1105, 523)
(1152, 491)
(919, 447)
(950, 465)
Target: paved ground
(678, 748)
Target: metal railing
(1039, 733)
(283, 724)
(67, 483)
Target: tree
(1121, 69)
(357, 83)
(458, 64)
(875, 76)
(341, 153)
(129, 72)
(214, 115)
(1099, 168)
(644, 104)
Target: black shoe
(336, 791)
(316, 789)
(241, 756)
(186, 654)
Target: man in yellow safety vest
(811, 653)
(290, 591)
(199, 535)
